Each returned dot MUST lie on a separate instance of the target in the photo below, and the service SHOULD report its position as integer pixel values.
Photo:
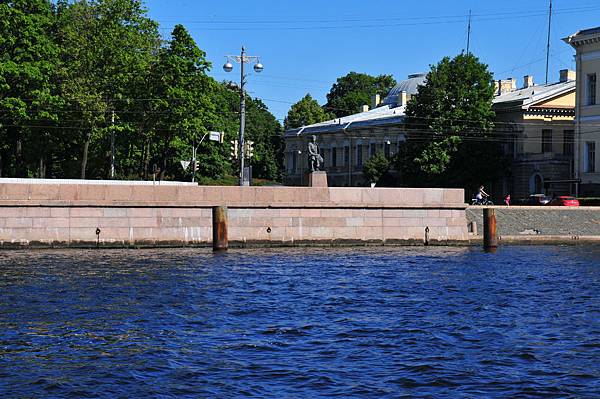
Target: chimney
(363, 108)
(513, 84)
(527, 81)
(402, 98)
(566, 75)
(506, 86)
(375, 101)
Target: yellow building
(535, 123)
(587, 109)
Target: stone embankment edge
(58, 216)
(582, 225)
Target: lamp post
(228, 67)
(301, 168)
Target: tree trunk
(163, 165)
(1, 163)
(19, 158)
(84, 159)
(146, 158)
(163, 160)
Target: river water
(428, 322)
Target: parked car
(538, 199)
(564, 200)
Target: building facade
(534, 124)
(587, 110)
(347, 143)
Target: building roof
(526, 97)
(390, 113)
(583, 36)
(410, 86)
(381, 116)
(590, 31)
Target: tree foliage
(76, 74)
(352, 91)
(376, 167)
(449, 120)
(27, 96)
(180, 92)
(306, 112)
(106, 48)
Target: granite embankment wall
(147, 215)
(539, 224)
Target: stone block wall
(541, 223)
(146, 215)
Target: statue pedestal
(317, 179)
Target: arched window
(536, 184)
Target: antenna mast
(548, 45)
(469, 34)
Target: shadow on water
(304, 322)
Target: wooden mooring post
(219, 227)
(489, 229)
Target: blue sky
(306, 45)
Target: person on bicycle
(481, 194)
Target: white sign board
(185, 164)
(215, 136)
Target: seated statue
(315, 160)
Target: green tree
(265, 131)
(261, 127)
(183, 100)
(106, 46)
(376, 167)
(449, 121)
(27, 97)
(305, 112)
(352, 91)
(68, 68)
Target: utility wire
(281, 20)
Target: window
(372, 150)
(546, 140)
(591, 89)
(568, 142)
(346, 155)
(387, 147)
(333, 157)
(590, 157)
(359, 155)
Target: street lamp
(228, 67)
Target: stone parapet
(70, 214)
(232, 196)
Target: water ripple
(365, 323)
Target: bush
(376, 167)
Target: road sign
(186, 164)
(216, 136)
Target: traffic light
(234, 149)
(249, 150)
